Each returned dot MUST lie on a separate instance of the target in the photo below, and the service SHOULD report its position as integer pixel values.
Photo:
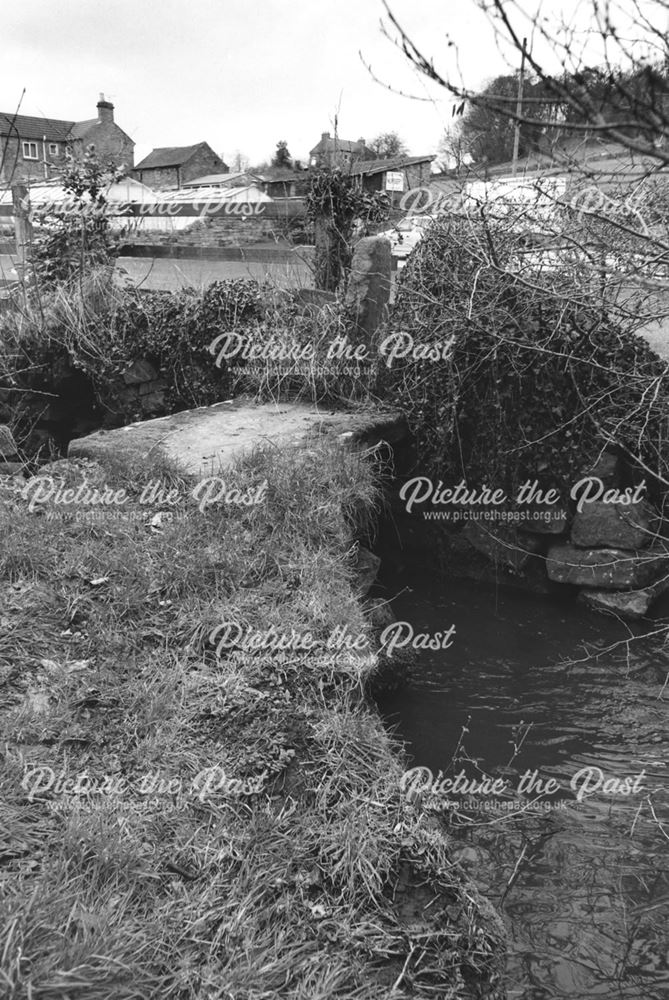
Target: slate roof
(28, 127)
(168, 156)
(55, 129)
(327, 144)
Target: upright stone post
(22, 225)
(368, 292)
(326, 270)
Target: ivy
(335, 203)
(539, 380)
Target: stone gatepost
(368, 292)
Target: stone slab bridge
(206, 440)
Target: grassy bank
(293, 870)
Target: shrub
(71, 243)
(540, 377)
(92, 327)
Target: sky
(244, 74)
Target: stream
(536, 688)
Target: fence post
(22, 226)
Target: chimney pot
(105, 110)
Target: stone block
(614, 526)
(152, 402)
(504, 544)
(606, 569)
(368, 291)
(141, 370)
(628, 604)
(157, 385)
(553, 521)
(608, 468)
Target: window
(29, 150)
(53, 148)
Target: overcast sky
(241, 74)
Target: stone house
(169, 167)
(336, 152)
(35, 149)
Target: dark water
(533, 683)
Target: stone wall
(203, 161)
(17, 170)
(222, 231)
(140, 390)
(110, 142)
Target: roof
(213, 179)
(54, 129)
(79, 129)
(169, 156)
(381, 166)
(197, 196)
(327, 144)
(29, 127)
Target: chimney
(105, 110)
(325, 135)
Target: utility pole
(519, 109)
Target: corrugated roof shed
(390, 163)
(228, 180)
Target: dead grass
(314, 880)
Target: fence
(159, 260)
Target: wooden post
(23, 231)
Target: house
(337, 152)
(34, 149)
(393, 174)
(171, 167)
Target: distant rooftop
(389, 163)
(168, 156)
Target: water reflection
(532, 683)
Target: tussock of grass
(324, 883)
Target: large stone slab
(629, 604)
(608, 569)
(616, 526)
(206, 440)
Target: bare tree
(240, 162)
(388, 144)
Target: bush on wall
(538, 377)
(94, 328)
